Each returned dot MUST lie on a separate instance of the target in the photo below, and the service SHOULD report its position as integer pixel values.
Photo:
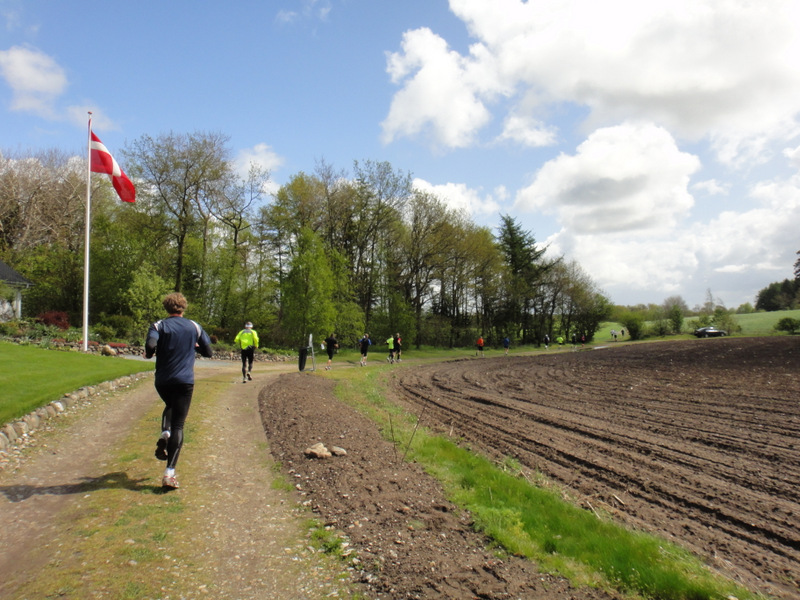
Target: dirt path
(53, 472)
(245, 537)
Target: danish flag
(103, 162)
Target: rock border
(113, 349)
(16, 434)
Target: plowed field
(697, 441)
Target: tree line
(330, 251)
(781, 295)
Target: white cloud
(11, 17)
(79, 114)
(36, 80)
(705, 69)
(735, 254)
(261, 155)
(793, 154)
(458, 196)
(310, 9)
(712, 187)
(440, 91)
(630, 269)
(286, 16)
(627, 178)
(528, 131)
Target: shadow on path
(117, 480)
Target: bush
(122, 325)
(103, 332)
(662, 327)
(57, 318)
(788, 324)
(11, 328)
(634, 325)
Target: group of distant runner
(393, 342)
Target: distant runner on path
(173, 341)
(247, 340)
(364, 344)
(331, 344)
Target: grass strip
(31, 377)
(536, 522)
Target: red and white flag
(103, 162)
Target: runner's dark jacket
(173, 340)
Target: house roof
(11, 277)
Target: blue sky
(655, 143)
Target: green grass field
(31, 377)
(752, 324)
(763, 323)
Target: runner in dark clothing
(331, 344)
(365, 343)
(398, 346)
(174, 341)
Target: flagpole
(86, 238)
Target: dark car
(704, 332)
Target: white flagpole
(86, 239)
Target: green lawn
(763, 323)
(31, 377)
(752, 324)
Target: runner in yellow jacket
(247, 340)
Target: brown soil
(410, 541)
(696, 441)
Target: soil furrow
(699, 439)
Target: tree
(179, 176)
(780, 295)
(144, 298)
(233, 208)
(424, 240)
(723, 319)
(42, 213)
(674, 309)
(584, 307)
(797, 268)
(526, 268)
(380, 196)
(308, 303)
(486, 269)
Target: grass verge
(533, 521)
(31, 377)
